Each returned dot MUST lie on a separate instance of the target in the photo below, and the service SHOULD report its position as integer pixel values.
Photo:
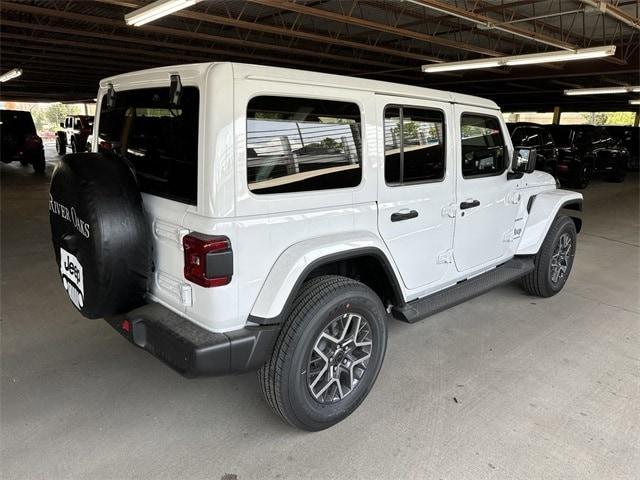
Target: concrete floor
(504, 386)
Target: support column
(556, 115)
(636, 121)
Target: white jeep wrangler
(241, 217)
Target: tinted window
(160, 141)
(562, 135)
(517, 137)
(413, 145)
(483, 150)
(16, 122)
(301, 144)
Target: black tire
(619, 175)
(74, 149)
(583, 177)
(96, 215)
(39, 165)
(285, 378)
(539, 282)
(61, 148)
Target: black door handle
(472, 204)
(399, 216)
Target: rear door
(417, 187)
(487, 201)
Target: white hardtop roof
(195, 71)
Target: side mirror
(62, 124)
(524, 159)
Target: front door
(487, 201)
(416, 188)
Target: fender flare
(294, 265)
(543, 209)
(62, 136)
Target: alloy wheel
(339, 358)
(561, 258)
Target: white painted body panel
(545, 208)
(275, 236)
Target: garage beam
(50, 12)
(132, 53)
(490, 23)
(614, 12)
(371, 25)
(289, 32)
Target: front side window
(483, 148)
(414, 149)
(159, 140)
(302, 144)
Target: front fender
(293, 265)
(544, 209)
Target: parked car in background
(20, 142)
(74, 134)
(533, 135)
(629, 138)
(586, 150)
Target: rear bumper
(190, 349)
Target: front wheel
(554, 260)
(328, 354)
(583, 177)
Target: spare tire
(101, 238)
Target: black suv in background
(20, 142)
(629, 138)
(586, 150)
(524, 134)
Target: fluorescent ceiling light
(155, 10)
(601, 91)
(515, 60)
(464, 65)
(634, 102)
(16, 72)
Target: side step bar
(424, 307)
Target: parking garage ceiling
(66, 47)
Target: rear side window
(483, 149)
(160, 141)
(413, 145)
(302, 144)
(16, 122)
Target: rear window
(160, 141)
(16, 122)
(302, 144)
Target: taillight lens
(33, 140)
(208, 260)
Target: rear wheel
(39, 165)
(328, 354)
(554, 261)
(61, 148)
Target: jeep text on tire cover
(239, 217)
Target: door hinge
(514, 198)
(450, 210)
(445, 257)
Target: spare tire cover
(100, 235)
